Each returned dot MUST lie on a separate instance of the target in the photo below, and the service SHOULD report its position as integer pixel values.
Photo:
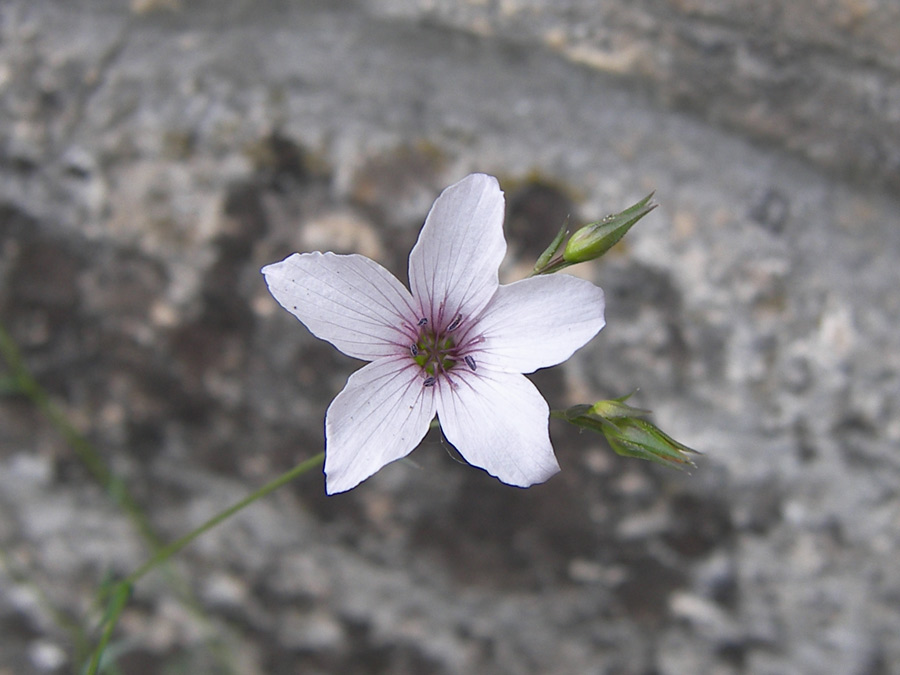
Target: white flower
(456, 346)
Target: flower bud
(634, 437)
(595, 239)
(629, 435)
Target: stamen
(414, 350)
(455, 323)
(470, 362)
(422, 321)
(429, 381)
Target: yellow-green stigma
(439, 352)
(433, 353)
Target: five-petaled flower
(457, 345)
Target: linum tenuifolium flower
(455, 344)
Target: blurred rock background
(154, 154)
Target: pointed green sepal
(551, 249)
(616, 408)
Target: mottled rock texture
(820, 78)
(155, 154)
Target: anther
(455, 323)
(414, 350)
(429, 381)
(422, 321)
(470, 362)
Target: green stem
(167, 551)
(122, 590)
(27, 385)
(116, 605)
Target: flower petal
(498, 422)
(539, 322)
(349, 300)
(381, 415)
(453, 266)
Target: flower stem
(169, 550)
(122, 591)
(120, 598)
(21, 382)
(24, 382)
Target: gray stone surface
(154, 155)
(818, 77)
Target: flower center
(437, 352)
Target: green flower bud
(634, 437)
(629, 435)
(595, 239)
